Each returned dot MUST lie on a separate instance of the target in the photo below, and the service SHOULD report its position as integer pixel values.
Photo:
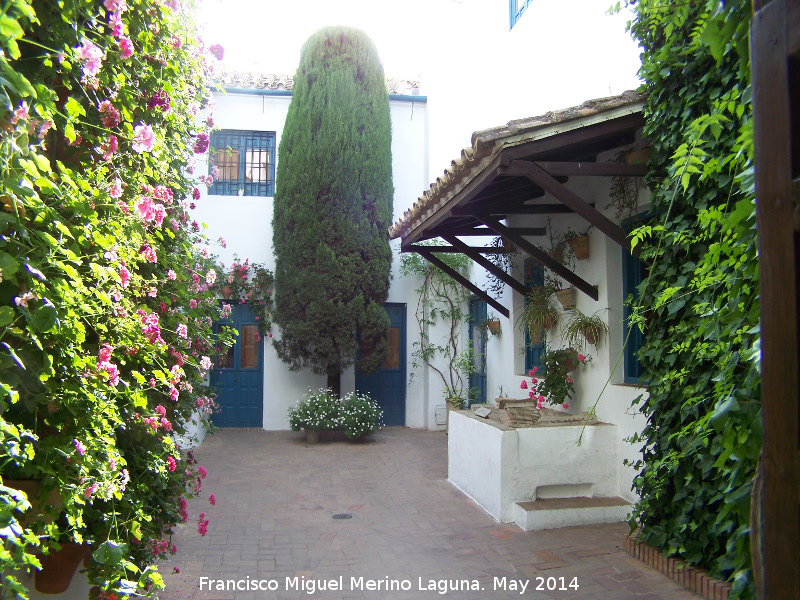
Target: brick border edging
(691, 578)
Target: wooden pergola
(775, 54)
(521, 169)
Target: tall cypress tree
(333, 206)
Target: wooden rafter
(570, 199)
(435, 261)
(593, 169)
(541, 256)
(486, 264)
(452, 250)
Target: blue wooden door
(477, 338)
(388, 384)
(238, 375)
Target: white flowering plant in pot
(361, 415)
(319, 410)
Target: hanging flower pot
(566, 297)
(58, 567)
(590, 335)
(493, 325)
(580, 246)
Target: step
(554, 513)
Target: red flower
(524, 385)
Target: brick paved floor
(276, 496)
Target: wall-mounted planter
(580, 246)
(566, 297)
(493, 326)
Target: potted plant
(493, 326)
(555, 385)
(566, 297)
(578, 243)
(317, 411)
(360, 416)
(539, 314)
(581, 328)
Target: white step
(553, 513)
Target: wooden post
(774, 113)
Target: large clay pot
(312, 436)
(58, 567)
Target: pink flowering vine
(144, 140)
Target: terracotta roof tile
(486, 144)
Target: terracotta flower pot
(312, 436)
(589, 335)
(226, 292)
(566, 297)
(493, 325)
(58, 567)
(31, 488)
(580, 246)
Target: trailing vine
(441, 298)
(703, 436)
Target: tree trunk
(335, 384)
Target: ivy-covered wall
(700, 309)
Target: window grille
(244, 161)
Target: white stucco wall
(245, 223)
(518, 465)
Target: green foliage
(360, 415)
(105, 301)
(333, 206)
(699, 307)
(580, 329)
(441, 299)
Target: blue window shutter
(534, 275)
(246, 160)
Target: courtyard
(273, 525)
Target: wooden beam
(540, 256)
(488, 265)
(777, 265)
(539, 176)
(452, 250)
(516, 209)
(465, 282)
(593, 169)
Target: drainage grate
(341, 516)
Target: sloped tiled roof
(275, 81)
(488, 143)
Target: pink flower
(149, 254)
(540, 405)
(92, 57)
(173, 393)
(79, 446)
(176, 42)
(569, 379)
(109, 147)
(211, 276)
(21, 114)
(212, 499)
(196, 194)
(115, 5)
(581, 358)
(202, 471)
(192, 303)
(104, 354)
(161, 410)
(144, 140)
(541, 398)
(115, 191)
(110, 116)
(125, 276)
(89, 491)
(182, 331)
(171, 275)
(205, 363)
(125, 48)
(524, 385)
(201, 143)
(202, 527)
(171, 464)
(166, 424)
(217, 50)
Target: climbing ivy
(699, 306)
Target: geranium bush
(106, 299)
(555, 385)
